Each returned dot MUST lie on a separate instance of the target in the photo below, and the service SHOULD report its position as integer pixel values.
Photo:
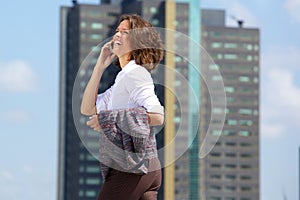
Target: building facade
(231, 170)
(81, 29)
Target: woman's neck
(124, 60)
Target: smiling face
(121, 40)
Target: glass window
(245, 188)
(245, 133)
(243, 144)
(244, 79)
(246, 122)
(95, 25)
(215, 34)
(216, 133)
(232, 122)
(230, 166)
(219, 56)
(231, 155)
(81, 156)
(153, 10)
(249, 58)
(230, 45)
(229, 132)
(178, 59)
(94, 14)
(215, 176)
(248, 46)
(217, 78)
(176, 119)
(230, 56)
(92, 169)
(96, 36)
(83, 36)
(246, 155)
(255, 80)
(214, 67)
(90, 193)
(217, 110)
(231, 144)
(230, 177)
(230, 188)
(216, 45)
(215, 154)
(246, 36)
(255, 69)
(231, 34)
(83, 24)
(245, 177)
(245, 111)
(81, 168)
(155, 22)
(215, 165)
(230, 99)
(92, 181)
(229, 89)
(89, 157)
(214, 187)
(80, 193)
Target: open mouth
(117, 43)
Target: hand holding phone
(111, 46)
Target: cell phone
(111, 46)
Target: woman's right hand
(106, 56)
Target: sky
(29, 88)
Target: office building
(81, 29)
(231, 170)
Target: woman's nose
(118, 34)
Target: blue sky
(29, 83)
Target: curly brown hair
(145, 42)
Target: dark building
(81, 28)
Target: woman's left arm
(155, 119)
(141, 88)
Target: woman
(137, 47)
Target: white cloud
(293, 8)
(240, 11)
(17, 76)
(280, 93)
(235, 9)
(6, 176)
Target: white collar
(126, 69)
(129, 66)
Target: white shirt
(133, 87)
